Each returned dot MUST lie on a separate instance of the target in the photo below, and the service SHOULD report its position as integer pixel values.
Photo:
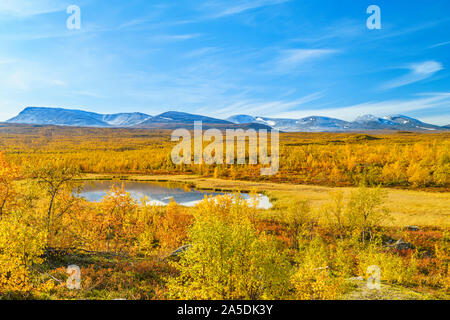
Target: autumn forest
(342, 203)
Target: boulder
(400, 245)
(176, 254)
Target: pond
(159, 193)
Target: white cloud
(26, 8)
(24, 80)
(269, 107)
(345, 29)
(417, 72)
(439, 120)
(133, 23)
(426, 68)
(440, 44)
(291, 59)
(177, 37)
(236, 7)
(432, 101)
(201, 52)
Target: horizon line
(254, 116)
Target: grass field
(304, 243)
(408, 207)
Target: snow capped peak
(68, 117)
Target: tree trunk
(49, 216)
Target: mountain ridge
(74, 117)
(80, 118)
(327, 124)
(175, 119)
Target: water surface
(159, 193)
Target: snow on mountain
(78, 118)
(182, 117)
(308, 124)
(325, 124)
(125, 119)
(172, 119)
(411, 123)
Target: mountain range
(173, 119)
(325, 124)
(79, 118)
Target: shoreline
(408, 207)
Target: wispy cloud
(133, 23)
(440, 44)
(201, 52)
(90, 94)
(177, 37)
(345, 29)
(422, 103)
(275, 107)
(393, 31)
(229, 8)
(293, 58)
(23, 80)
(26, 8)
(417, 72)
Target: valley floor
(408, 207)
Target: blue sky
(275, 58)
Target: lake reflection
(158, 193)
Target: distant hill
(308, 124)
(242, 118)
(325, 124)
(411, 123)
(78, 118)
(174, 119)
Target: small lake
(159, 193)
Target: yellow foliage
(405, 160)
(8, 192)
(313, 278)
(394, 269)
(228, 259)
(21, 246)
(171, 228)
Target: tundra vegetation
(296, 250)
